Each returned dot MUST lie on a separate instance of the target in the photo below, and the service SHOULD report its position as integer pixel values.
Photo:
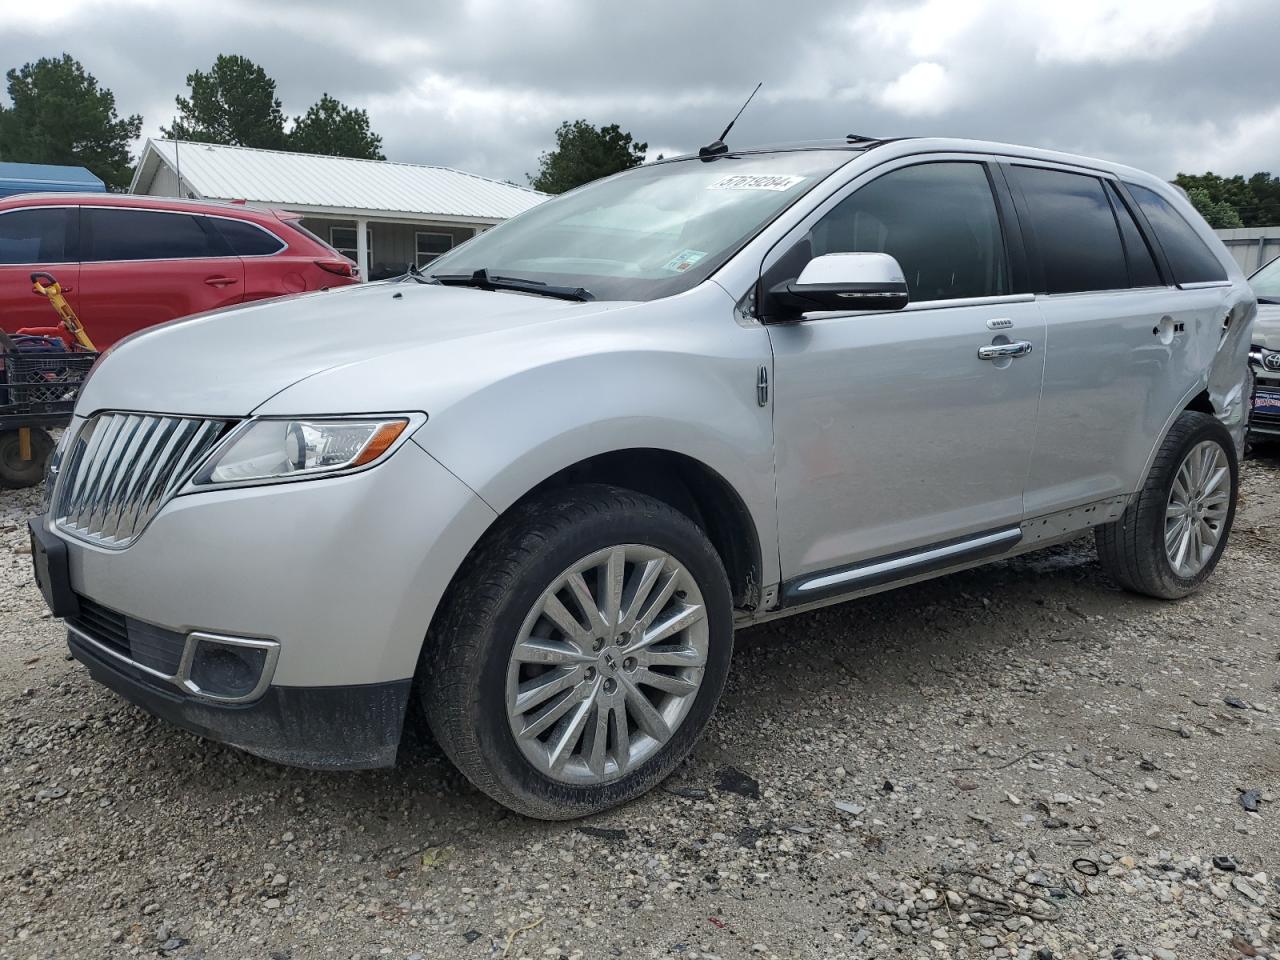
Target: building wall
(1252, 246)
(393, 244)
(163, 184)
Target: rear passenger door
(1117, 350)
(897, 444)
(36, 239)
(143, 267)
(268, 270)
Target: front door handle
(998, 351)
(220, 281)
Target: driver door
(898, 448)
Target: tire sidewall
(1208, 429)
(663, 529)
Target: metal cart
(40, 377)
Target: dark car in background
(128, 262)
(1264, 421)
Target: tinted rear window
(1142, 265)
(246, 239)
(38, 235)
(1075, 231)
(119, 234)
(1190, 257)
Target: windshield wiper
(482, 280)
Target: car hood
(231, 362)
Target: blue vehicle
(46, 178)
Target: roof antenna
(718, 146)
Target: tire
(16, 473)
(1132, 549)
(471, 678)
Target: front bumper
(341, 576)
(1264, 415)
(336, 728)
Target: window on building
(1075, 231)
(1189, 257)
(428, 246)
(343, 239)
(38, 235)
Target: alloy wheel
(1197, 510)
(607, 664)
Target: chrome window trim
(41, 206)
(182, 679)
(1163, 288)
(1204, 284)
(186, 213)
(921, 305)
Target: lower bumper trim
(329, 728)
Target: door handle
(220, 281)
(998, 351)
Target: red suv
(128, 262)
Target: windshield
(1266, 282)
(650, 232)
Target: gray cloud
(1163, 84)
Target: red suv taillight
(339, 265)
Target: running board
(900, 566)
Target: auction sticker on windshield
(756, 181)
(683, 260)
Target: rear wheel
(1172, 535)
(15, 472)
(580, 651)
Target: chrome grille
(121, 468)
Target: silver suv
(538, 489)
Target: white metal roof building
(382, 215)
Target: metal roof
(44, 177)
(307, 181)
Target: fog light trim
(270, 649)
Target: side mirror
(840, 281)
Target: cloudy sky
(1168, 85)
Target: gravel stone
(987, 701)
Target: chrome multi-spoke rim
(607, 664)
(1196, 516)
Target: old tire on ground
(16, 473)
(1172, 534)
(579, 652)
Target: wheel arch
(685, 484)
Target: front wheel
(1171, 536)
(580, 651)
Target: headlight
(273, 450)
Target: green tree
(234, 103)
(584, 153)
(59, 114)
(331, 127)
(1217, 213)
(1256, 201)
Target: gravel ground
(935, 772)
